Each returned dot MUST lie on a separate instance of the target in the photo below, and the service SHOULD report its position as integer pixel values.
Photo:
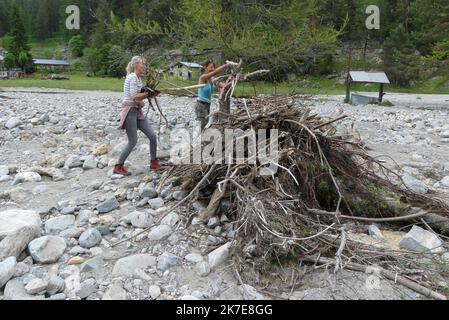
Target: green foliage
(402, 63)
(6, 41)
(76, 46)
(117, 61)
(373, 204)
(108, 60)
(103, 59)
(17, 34)
(325, 195)
(325, 64)
(439, 58)
(135, 33)
(429, 22)
(10, 61)
(285, 38)
(18, 50)
(441, 51)
(91, 58)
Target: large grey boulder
(90, 238)
(13, 122)
(14, 244)
(414, 184)
(15, 290)
(420, 240)
(58, 224)
(219, 255)
(47, 249)
(160, 232)
(108, 205)
(26, 177)
(17, 229)
(7, 270)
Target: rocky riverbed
(62, 210)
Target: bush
(6, 41)
(118, 60)
(91, 59)
(25, 62)
(325, 64)
(76, 46)
(403, 64)
(10, 61)
(107, 60)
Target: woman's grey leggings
(132, 123)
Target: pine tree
(402, 63)
(4, 17)
(430, 23)
(18, 45)
(42, 23)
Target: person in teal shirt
(202, 108)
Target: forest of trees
(287, 36)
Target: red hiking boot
(120, 169)
(155, 165)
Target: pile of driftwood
(324, 181)
(325, 184)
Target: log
(387, 274)
(197, 86)
(438, 222)
(214, 203)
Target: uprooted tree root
(323, 181)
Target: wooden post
(348, 78)
(381, 92)
(348, 89)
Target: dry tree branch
(387, 274)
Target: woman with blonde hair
(132, 117)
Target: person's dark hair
(205, 64)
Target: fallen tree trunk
(387, 274)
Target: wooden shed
(51, 63)
(366, 77)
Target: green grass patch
(306, 85)
(76, 82)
